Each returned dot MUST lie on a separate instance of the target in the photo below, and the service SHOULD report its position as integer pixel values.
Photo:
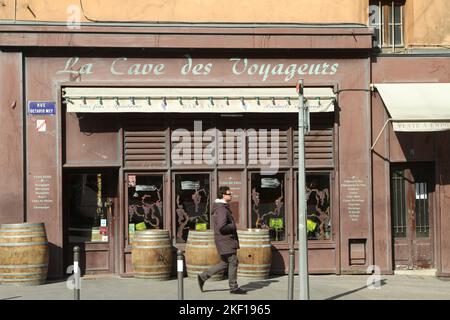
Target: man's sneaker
(201, 282)
(238, 291)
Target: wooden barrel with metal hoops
(151, 254)
(255, 254)
(24, 254)
(201, 253)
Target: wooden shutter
(318, 143)
(145, 141)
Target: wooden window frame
(389, 25)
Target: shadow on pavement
(251, 286)
(257, 285)
(382, 283)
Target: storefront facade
(117, 139)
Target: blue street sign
(41, 108)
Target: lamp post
(302, 232)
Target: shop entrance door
(90, 201)
(412, 188)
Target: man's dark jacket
(225, 234)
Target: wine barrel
(201, 253)
(24, 254)
(255, 254)
(151, 254)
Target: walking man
(227, 242)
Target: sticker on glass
(270, 183)
(190, 185)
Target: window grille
(386, 17)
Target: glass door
(90, 200)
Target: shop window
(386, 17)
(145, 203)
(88, 206)
(421, 207)
(267, 201)
(192, 202)
(318, 206)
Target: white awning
(416, 107)
(195, 100)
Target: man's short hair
(222, 190)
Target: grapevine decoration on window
(191, 212)
(267, 197)
(149, 209)
(260, 220)
(318, 211)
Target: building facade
(119, 124)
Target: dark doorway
(90, 202)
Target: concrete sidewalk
(322, 287)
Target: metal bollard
(76, 272)
(291, 273)
(180, 259)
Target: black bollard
(180, 259)
(291, 273)
(76, 272)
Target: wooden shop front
(124, 139)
